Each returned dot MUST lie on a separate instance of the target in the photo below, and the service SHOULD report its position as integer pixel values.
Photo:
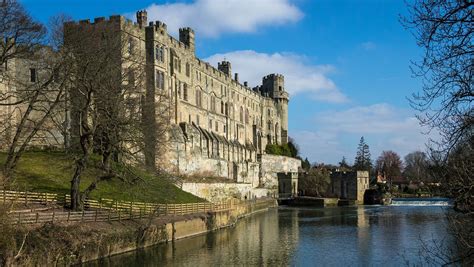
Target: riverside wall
(81, 242)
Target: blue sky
(346, 62)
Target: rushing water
(345, 236)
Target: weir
(437, 201)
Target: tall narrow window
(160, 79)
(130, 45)
(185, 92)
(246, 116)
(33, 75)
(188, 70)
(241, 114)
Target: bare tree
(30, 96)
(315, 182)
(444, 29)
(110, 108)
(20, 34)
(416, 166)
(390, 165)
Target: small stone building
(349, 185)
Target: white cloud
(384, 127)
(214, 17)
(367, 46)
(300, 75)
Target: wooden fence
(107, 209)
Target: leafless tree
(444, 30)
(28, 103)
(416, 166)
(315, 182)
(21, 35)
(390, 165)
(110, 108)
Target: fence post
(26, 197)
(37, 215)
(4, 196)
(120, 218)
(82, 217)
(95, 219)
(52, 219)
(108, 216)
(68, 215)
(19, 217)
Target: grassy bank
(52, 172)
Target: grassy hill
(52, 172)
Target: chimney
(142, 18)
(246, 84)
(236, 77)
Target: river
(339, 236)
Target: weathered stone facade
(349, 185)
(219, 126)
(19, 79)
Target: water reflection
(362, 236)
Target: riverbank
(74, 243)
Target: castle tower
(186, 36)
(142, 18)
(225, 67)
(273, 86)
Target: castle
(219, 126)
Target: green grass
(52, 172)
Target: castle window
(198, 98)
(226, 109)
(268, 112)
(160, 53)
(241, 114)
(185, 92)
(222, 107)
(225, 129)
(197, 120)
(210, 124)
(160, 79)
(213, 103)
(246, 116)
(32, 75)
(130, 45)
(217, 126)
(279, 87)
(269, 125)
(188, 70)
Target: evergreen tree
(362, 160)
(305, 164)
(343, 164)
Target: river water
(342, 236)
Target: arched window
(198, 97)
